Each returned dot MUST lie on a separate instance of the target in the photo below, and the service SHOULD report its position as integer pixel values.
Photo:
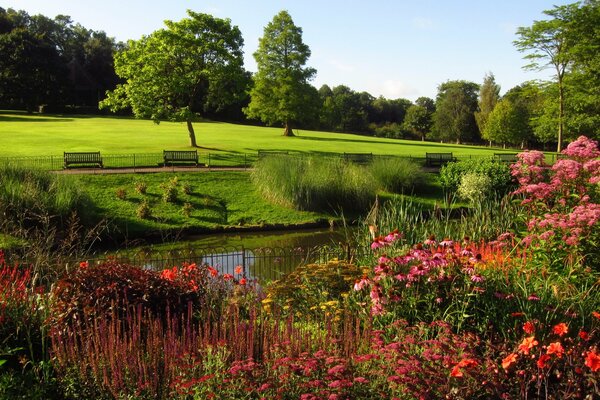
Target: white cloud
(393, 89)
(423, 23)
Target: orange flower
(596, 314)
(529, 327)
(467, 362)
(456, 372)
(592, 361)
(541, 362)
(560, 329)
(238, 269)
(584, 335)
(509, 360)
(528, 344)
(83, 264)
(169, 274)
(213, 271)
(555, 348)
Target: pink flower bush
(559, 198)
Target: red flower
(560, 329)
(529, 327)
(517, 314)
(509, 360)
(83, 264)
(592, 361)
(213, 271)
(555, 348)
(596, 314)
(528, 344)
(541, 362)
(456, 372)
(169, 274)
(584, 335)
(243, 281)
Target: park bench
(83, 159)
(171, 157)
(438, 159)
(264, 153)
(359, 158)
(506, 157)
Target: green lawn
(218, 199)
(45, 135)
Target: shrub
(141, 187)
(121, 193)
(95, 291)
(187, 209)
(143, 211)
(398, 175)
(186, 188)
(501, 181)
(169, 194)
(474, 187)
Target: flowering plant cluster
(562, 199)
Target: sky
(389, 48)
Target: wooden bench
(359, 158)
(264, 153)
(171, 157)
(506, 157)
(83, 159)
(438, 159)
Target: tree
(418, 120)
(507, 123)
(489, 94)
(548, 44)
(281, 92)
(455, 106)
(176, 73)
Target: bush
(398, 175)
(474, 187)
(93, 292)
(501, 181)
(121, 193)
(144, 211)
(169, 193)
(141, 187)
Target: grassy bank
(199, 202)
(31, 135)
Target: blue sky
(393, 48)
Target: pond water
(263, 256)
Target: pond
(263, 256)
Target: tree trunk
(192, 133)
(422, 137)
(288, 129)
(561, 114)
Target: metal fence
(263, 263)
(155, 160)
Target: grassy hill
(42, 135)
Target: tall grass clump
(29, 195)
(398, 175)
(314, 183)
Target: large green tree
(418, 120)
(489, 95)
(176, 73)
(282, 93)
(455, 105)
(506, 124)
(548, 43)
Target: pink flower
(583, 148)
(361, 283)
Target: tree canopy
(176, 73)
(489, 95)
(281, 92)
(455, 105)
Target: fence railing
(262, 263)
(155, 160)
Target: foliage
(451, 174)
(312, 289)
(507, 123)
(474, 187)
(455, 105)
(489, 95)
(398, 175)
(281, 92)
(143, 211)
(203, 55)
(418, 120)
(561, 201)
(314, 183)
